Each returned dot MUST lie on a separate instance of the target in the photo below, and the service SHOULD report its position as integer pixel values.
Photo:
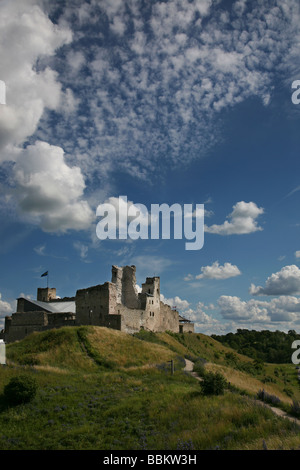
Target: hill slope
(104, 389)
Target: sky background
(177, 101)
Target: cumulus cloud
(282, 310)
(204, 322)
(49, 191)
(233, 308)
(284, 282)
(27, 35)
(176, 301)
(5, 309)
(231, 313)
(216, 271)
(157, 81)
(242, 220)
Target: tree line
(268, 346)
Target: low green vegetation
(20, 389)
(267, 346)
(213, 383)
(95, 388)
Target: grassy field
(103, 389)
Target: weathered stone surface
(116, 304)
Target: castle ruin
(116, 304)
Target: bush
(266, 397)
(295, 409)
(213, 384)
(20, 389)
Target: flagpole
(46, 274)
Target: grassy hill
(104, 389)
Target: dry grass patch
(245, 382)
(125, 350)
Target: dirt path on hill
(189, 366)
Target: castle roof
(54, 307)
(182, 319)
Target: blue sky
(182, 101)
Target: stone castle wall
(94, 303)
(115, 304)
(22, 324)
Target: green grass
(103, 389)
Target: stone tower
(45, 294)
(125, 280)
(152, 287)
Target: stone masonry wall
(22, 324)
(93, 303)
(186, 327)
(169, 318)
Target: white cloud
(282, 310)
(138, 288)
(189, 277)
(297, 254)
(233, 308)
(150, 265)
(284, 282)
(76, 60)
(81, 248)
(160, 86)
(215, 271)
(27, 35)
(204, 322)
(48, 191)
(151, 95)
(40, 250)
(242, 220)
(175, 302)
(5, 309)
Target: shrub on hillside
(295, 409)
(266, 397)
(213, 384)
(20, 389)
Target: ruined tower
(125, 280)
